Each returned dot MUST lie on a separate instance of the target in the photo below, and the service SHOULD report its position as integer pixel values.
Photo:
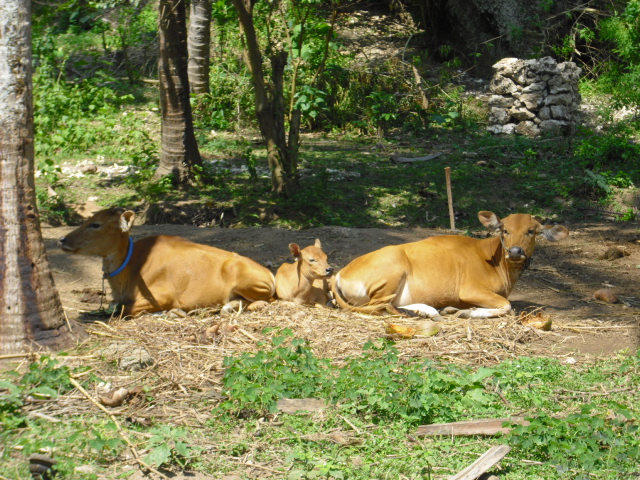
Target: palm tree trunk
(179, 152)
(199, 43)
(31, 314)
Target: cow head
(312, 260)
(518, 233)
(100, 234)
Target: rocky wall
(534, 97)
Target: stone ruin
(534, 97)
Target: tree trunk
(269, 99)
(199, 43)
(31, 315)
(179, 153)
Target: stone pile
(534, 97)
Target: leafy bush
(610, 160)
(582, 441)
(375, 384)
(623, 30)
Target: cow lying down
(473, 275)
(162, 272)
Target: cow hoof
(463, 314)
(258, 305)
(449, 311)
(409, 313)
(234, 306)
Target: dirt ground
(561, 280)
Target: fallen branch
(488, 426)
(484, 463)
(399, 159)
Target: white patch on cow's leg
(421, 310)
(484, 312)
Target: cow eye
(531, 231)
(312, 260)
(95, 225)
(505, 231)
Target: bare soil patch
(561, 283)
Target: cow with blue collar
(162, 272)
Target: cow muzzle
(516, 254)
(62, 243)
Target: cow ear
(126, 220)
(317, 244)
(553, 233)
(489, 220)
(294, 248)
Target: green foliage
(375, 384)
(255, 382)
(44, 379)
(610, 160)
(170, 446)
(582, 441)
(621, 75)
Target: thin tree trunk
(179, 153)
(31, 314)
(269, 101)
(199, 44)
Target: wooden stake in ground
(447, 174)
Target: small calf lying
(305, 280)
(162, 272)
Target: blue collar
(124, 264)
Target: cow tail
(377, 307)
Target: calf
(305, 280)
(163, 272)
(445, 271)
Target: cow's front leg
(489, 305)
(420, 309)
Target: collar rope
(124, 264)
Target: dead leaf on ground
(404, 331)
(427, 328)
(537, 319)
(115, 397)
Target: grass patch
(583, 417)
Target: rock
(521, 114)
(554, 126)
(533, 100)
(503, 86)
(136, 359)
(501, 101)
(498, 115)
(605, 295)
(559, 112)
(527, 129)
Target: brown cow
(446, 271)
(305, 281)
(163, 272)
